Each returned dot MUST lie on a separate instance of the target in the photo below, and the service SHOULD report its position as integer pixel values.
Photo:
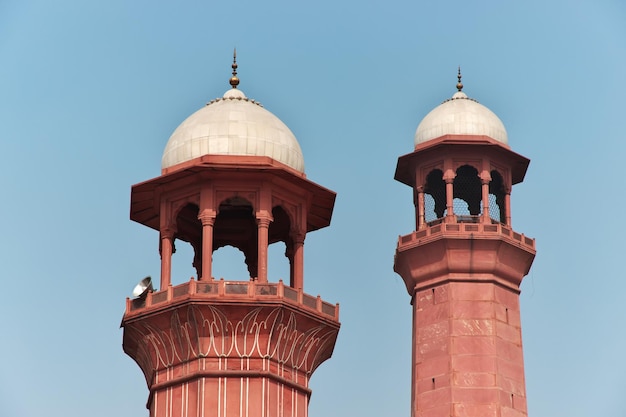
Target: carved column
(507, 206)
(485, 179)
(449, 179)
(421, 209)
(263, 219)
(167, 248)
(207, 218)
(297, 279)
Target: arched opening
(182, 264)
(280, 257)
(278, 265)
(235, 236)
(434, 196)
(189, 230)
(497, 210)
(230, 262)
(467, 194)
(235, 225)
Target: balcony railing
(451, 229)
(233, 290)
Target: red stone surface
(466, 354)
(463, 274)
(230, 348)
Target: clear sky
(91, 91)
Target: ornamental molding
(206, 331)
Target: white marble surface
(233, 125)
(460, 115)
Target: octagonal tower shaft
(216, 347)
(462, 267)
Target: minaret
(463, 264)
(232, 174)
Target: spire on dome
(234, 80)
(459, 84)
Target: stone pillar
(297, 280)
(449, 179)
(485, 179)
(167, 248)
(207, 218)
(263, 219)
(421, 209)
(507, 206)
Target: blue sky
(91, 91)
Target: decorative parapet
(461, 230)
(463, 252)
(230, 291)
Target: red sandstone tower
(463, 264)
(232, 174)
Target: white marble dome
(233, 125)
(460, 115)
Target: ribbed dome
(233, 125)
(460, 115)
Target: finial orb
(459, 84)
(234, 80)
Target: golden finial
(459, 84)
(234, 81)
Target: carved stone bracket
(207, 217)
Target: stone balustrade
(231, 290)
(462, 229)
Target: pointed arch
(235, 225)
(189, 230)
(497, 209)
(467, 193)
(229, 263)
(280, 230)
(434, 196)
